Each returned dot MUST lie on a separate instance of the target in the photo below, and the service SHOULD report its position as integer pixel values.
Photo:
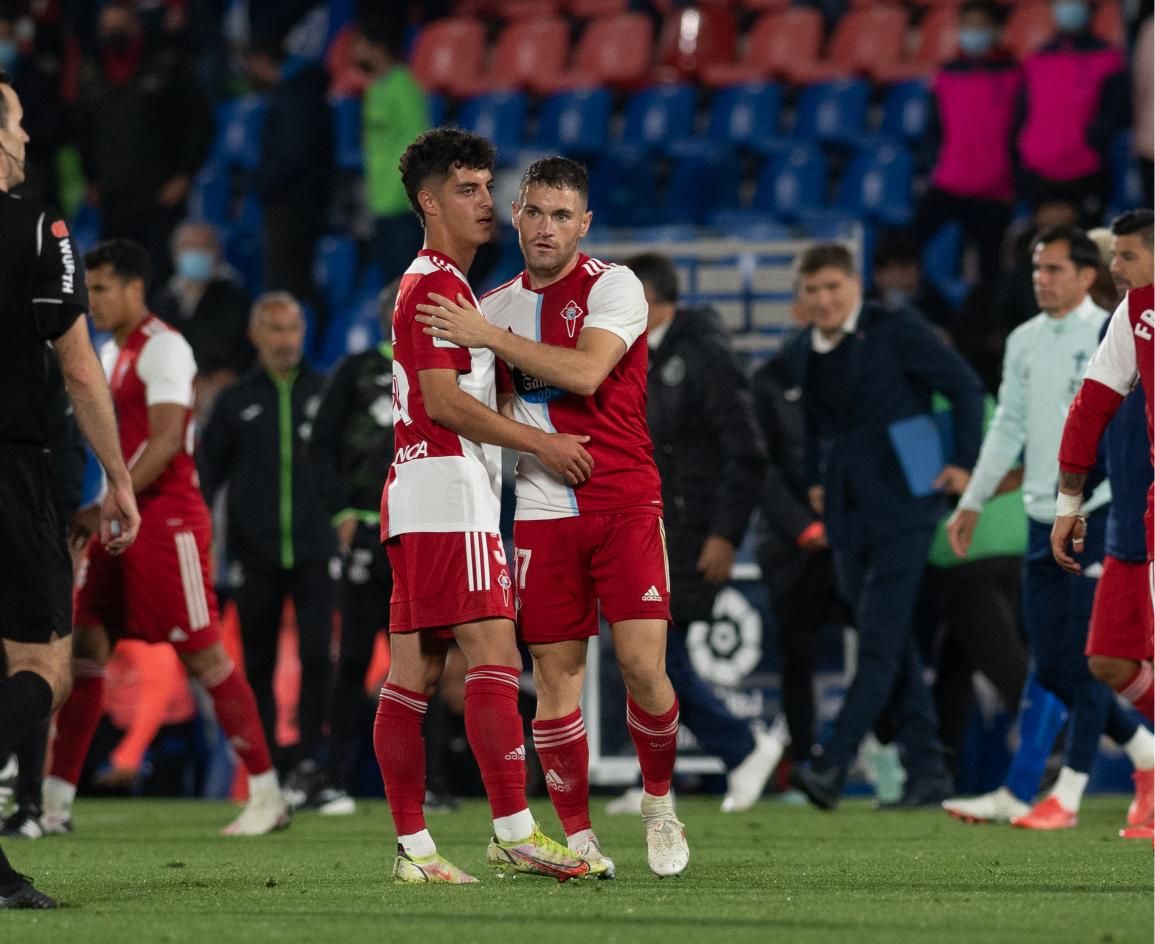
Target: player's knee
(643, 672)
(1111, 671)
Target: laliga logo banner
(728, 649)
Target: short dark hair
(559, 173)
(826, 256)
(657, 272)
(127, 259)
(896, 249)
(987, 8)
(1141, 222)
(1081, 247)
(434, 153)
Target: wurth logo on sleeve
(67, 280)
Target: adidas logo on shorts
(652, 595)
(517, 754)
(554, 782)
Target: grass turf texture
(139, 872)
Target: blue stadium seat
(86, 227)
(658, 116)
(747, 224)
(1126, 178)
(346, 118)
(243, 252)
(792, 184)
(942, 262)
(575, 123)
(500, 117)
(210, 197)
(906, 112)
(699, 187)
(623, 191)
(832, 112)
(877, 186)
(335, 269)
(742, 113)
(438, 108)
(238, 138)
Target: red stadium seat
(1108, 24)
(587, 9)
(761, 6)
(937, 43)
(866, 39)
(526, 9)
(613, 51)
(527, 52)
(448, 54)
(693, 40)
(1028, 27)
(777, 41)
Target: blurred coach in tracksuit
(710, 455)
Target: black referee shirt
(41, 295)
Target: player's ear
(427, 202)
(587, 218)
(515, 209)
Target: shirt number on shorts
(522, 565)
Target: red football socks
(493, 726)
(77, 720)
(1140, 690)
(656, 741)
(236, 709)
(564, 752)
(400, 749)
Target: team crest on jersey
(571, 313)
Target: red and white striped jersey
(439, 481)
(594, 295)
(1126, 354)
(155, 365)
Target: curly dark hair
(128, 260)
(434, 153)
(560, 173)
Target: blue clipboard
(917, 442)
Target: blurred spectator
(1015, 294)
(1143, 127)
(143, 128)
(1104, 293)
(793, 552)
(899, 282)
(206, 304)
(1074, 104)
(709, 452)
(393, 112)
(293, 177)
(862, 370)
(972, 134)
(278, 536)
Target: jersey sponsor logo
(418, 450)
(533, 390)
(1145, 324)
(68, 279)
(571, 313)
(518, 753)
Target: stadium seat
(692, 40)
(776, 40)
(613, 51)
(937, 43)
(526, 9)
(528, 52)
(658, 117)
(792, 184)
(585, 9)
(762, 5)
(877, 186)
(1107, 23)
(832, 113)
(623, 191)
(1028, 27)
(701, 186)
(335, 269)
(742, 113)
(865, 40)
(238, 136)
(500, 117)
(905, 112)
(448, 54)
(346, 122)
(575, 123)
(437, 110)
(942, 263)
(1126, 178)
(210, 197)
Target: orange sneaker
(1047, 814)
(1140, 831)
(1142, 808)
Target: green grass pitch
(148, 872)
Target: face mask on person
(1070, 15)
(195, 265)
(9, 54)
(975, 40)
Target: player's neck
(543, 278)
(121, 334)
(460, 253)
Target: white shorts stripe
(483, 544)
(469, 560)
(192, 581)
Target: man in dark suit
(861, 369)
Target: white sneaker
(667, 851)
(590, 850)
(999, 806)
(332, 802)
(746, 782)
(58, 797)
(264, 813)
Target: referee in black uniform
(42, 305)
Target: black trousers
(983, 222)
(260, 600)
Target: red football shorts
(1121, 620)
(566, 567)
(158, 590)
(444, 580)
